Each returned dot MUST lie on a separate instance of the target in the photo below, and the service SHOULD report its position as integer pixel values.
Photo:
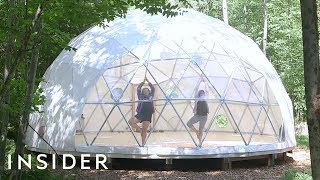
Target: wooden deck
(171, 139)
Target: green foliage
(295, 174)
(62, 20)
(34, 173)
(38, 99)
(172, 92)
(39, 175)
(285, 51)
(10, 148)
(302, 140)
(210, 7)
(284, 48)
(17, 95)
(222, 121)
(43, 174)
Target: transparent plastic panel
(189, 45)
(124, 73)
(95, 116)
(230, 51)
(258, 87)
(171, 50)
(239, 74)
(191, 71)
(171, 90)
(219, 52)
(120, 90)
(127, 59)
(274, 119)
(221, 119)
(119, 133)
(186, 114)
(239, 112)
(263, 132)
(179, 68)
(184, 110)
(118, 118)
(200, 61)
(217, 71)
(201, 58)
(160, 71)
(219, 84)
(248, 122)
(244, 90)
(268, 96)
(159, 123)
(209, 47)
(254, 75)
(99, 92)
(276, 115)
(223, 59)
(169, 127)
(220, 128)
(188, 86)
(169, 118)
(228, 67)
(232, 92)
(165, 51)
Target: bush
(10, 148)
(302, 140)
(38, 174)
(29, 174)
(295, 174)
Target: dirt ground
(188, 169)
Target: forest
(33, 33)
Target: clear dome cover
(92, 91)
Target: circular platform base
(173, 145)
(177, 145)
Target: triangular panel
(264, 132)
(216, 136)
(248, 122)
(168, 119)
(95, 117)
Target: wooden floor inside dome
(179, 139)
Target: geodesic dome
(91, 91)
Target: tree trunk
(4, 114)
(16, 173)
(3, 134)
(225, 11)
(21, 53)
(311, 74)
(245, 12)
(265, 28)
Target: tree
(62, 21)
(265, 27)
(225, 11)
(3, 109)
(29, 92)
(310, 36)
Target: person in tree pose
(201, 111)
(144, 110)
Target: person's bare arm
(197, 89)
(195, 107)
(139, 89)
(151, 87)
